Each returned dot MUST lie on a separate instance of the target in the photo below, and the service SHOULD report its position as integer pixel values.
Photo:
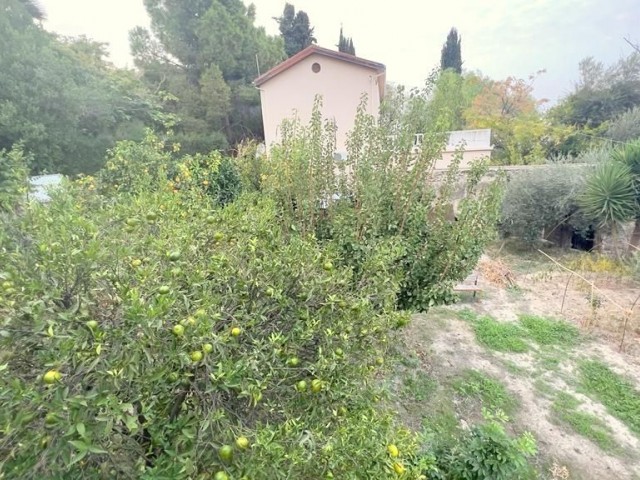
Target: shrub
(544, 199)
(626, 127)
(13, 178)
(384, 190)
(133, 299)
(485, 451)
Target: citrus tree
(148, 334)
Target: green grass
(504, 337)
(491, 392)
(617, 394)
(418, 386)
(565, 409)
(547, 331)
(467, 315)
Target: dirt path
(454, 349)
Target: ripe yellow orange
(51, 377)
(178, 330)
(136, 262)
(207, 348)
(242, 443)
(393, 450)
(235, 331)
(196, 356)
(399, 468)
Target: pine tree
(295, 29)
(345, 44)
(451, 56)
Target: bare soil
(445, 346)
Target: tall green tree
(60, 99)
(203, 55)
(295, 29)
(345, 44)
(451, 56)
(602, 93)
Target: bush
(134, 299)
(544, 199)
(13, 178)
(383, 191)
(485, 451)
(626, 127)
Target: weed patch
(467, 315)
(547, 331)
(491, 392)
(565, 409)
(418, 386)
(504, 337)
(620, 397)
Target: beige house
(288, 90)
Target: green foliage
(61, 100)
(491, 392)
(451, 56)
(616, 393)
(131, 401)
(565, 409)
(500, 336)
(204, 54)
(486, 451)
(609, 196)
(383, 199)
(547, 331)
(602, 94)
(625, 127)
(418, 386)
(295, 29)
(545, 199)
(345, 44)
(13, 178)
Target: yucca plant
(609, 196)
(612, 193)
(629, 155)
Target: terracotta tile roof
(290, 62)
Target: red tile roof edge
(310, 50)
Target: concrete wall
(291, 94)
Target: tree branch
(635, 46)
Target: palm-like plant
(612, 193)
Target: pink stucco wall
(340, 84)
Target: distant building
(288, 90)
(40, 185)
(474, 144)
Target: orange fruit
(242, 443)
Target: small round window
(315, 67)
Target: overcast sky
(499, 37)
